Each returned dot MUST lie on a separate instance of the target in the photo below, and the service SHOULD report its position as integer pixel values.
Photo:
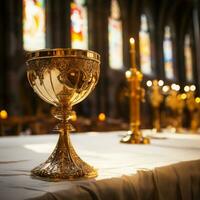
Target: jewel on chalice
(63, 78)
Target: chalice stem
(64, 161)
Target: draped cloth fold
(179, 181)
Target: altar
(120, 166)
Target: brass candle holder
(156, 98)
(134, 78)
(192, 107)
(63, 78)
(176, 103)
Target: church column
(125, 14)
(92, 45)
(160, 25)
(181, 46)
(2, 59)
(58, 23)
(100, 44)
(196, 25)
(134, 27)
(13, 54)
(180, 69)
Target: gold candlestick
(134, 78)
(192, 106)
(156, 98)
(176, 103)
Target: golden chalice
(63, 78)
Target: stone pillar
(197, 38)
(13, 54)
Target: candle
(3, 114)
(132, 52)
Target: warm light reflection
(186, 88)
(102, 117)
(192, 88)
(183, 96)
(160, 83)
(165, 88)
(175, 87)
(178, 87)
(197, 99)
(74, 117)
(132, 41)
(128, 74)
(3, 114)
(149, 83)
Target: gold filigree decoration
(63, 77)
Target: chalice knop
(63, 78)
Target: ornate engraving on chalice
(63, 78)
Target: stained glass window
(168, 54)
(188, 58)
(115, 37)
(79, 24)
(33, 24)
(145, 46)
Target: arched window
(79, 24)
(168, 54)
(33, 24)
(115, 37)
(145, 46)
(188, 58)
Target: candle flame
(186, 88)
(128, 74)
(132, 41)
(102, 117)
(160, 83)
(165, 88)
(149, 83)
(3, 114)
(192, 88)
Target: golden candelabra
(197, 100)
(63, 78)
(156, 98)
(176, 103)
(192, 106)
(134, 78)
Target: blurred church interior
(167, 39)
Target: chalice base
(64, 163)
(135, 138)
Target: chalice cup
(63, 78)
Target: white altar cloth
(18, 155)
